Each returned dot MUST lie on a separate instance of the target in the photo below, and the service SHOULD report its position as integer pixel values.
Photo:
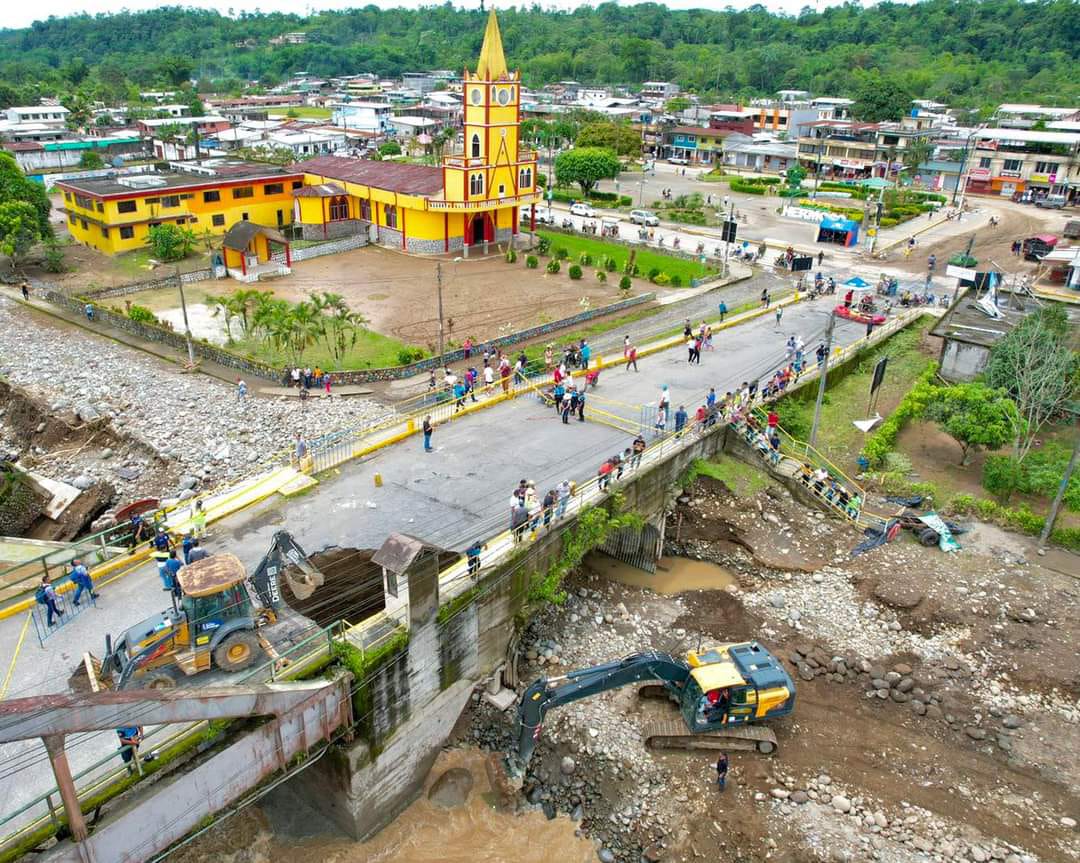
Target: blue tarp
(830, 223)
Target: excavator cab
(733, 684)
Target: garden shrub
(601, 276)
(1001, 476)
(676, 281)
(653, 273)
(409, 354)
(553, 265)
(562, 253)
(624, 283)
(543, 245)
(511, 256)
(662, 279)
(142, 314)
(886, 222)
(585, 259)
(532, 262)
(574, 272)
(610, 264)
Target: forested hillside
(965, 52)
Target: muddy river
(423, 833)
(673, 574)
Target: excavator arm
(284, 552)
(547, 693)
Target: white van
(1051, 202)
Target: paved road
(449, 497)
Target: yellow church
(475, 197)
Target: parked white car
(678, 160)
(543, 216)
(582, 209)
(644, 217)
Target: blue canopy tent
(834, 229)
(856, 282)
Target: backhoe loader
(215, 622)
(721, 692)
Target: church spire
(492, 65)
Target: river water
(673, 574)
(424, 833)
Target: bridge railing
(98, 778)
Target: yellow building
(114, 214)
(473, 199)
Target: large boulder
(897, 593)
(452, 788)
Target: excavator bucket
(306, 582)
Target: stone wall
(343, 244)
(334, 230)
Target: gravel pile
(192, 423)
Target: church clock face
(476, 96)
(503, 95)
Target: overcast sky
(17, 15)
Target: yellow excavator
(216, 622)
(722, 693)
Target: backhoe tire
(237, 651)
(928, 537)
(159, 680)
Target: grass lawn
(741, 478)
(846, 399)
(308, 112)
(137, 264)
(646, 259)
(372, 350)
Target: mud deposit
(424, 833)
(673, 574)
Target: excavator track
(672, 734)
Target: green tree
(918, 152)
(175, 69)
(586, 166)
(878, 99)
(677, 105)
(974, 415)
(18, 230)
(1035, 364)
(340, 326)
(620, 137)
(79, 113)
(795, 175)
(170, 242)
(389, 148)
(91, 160)
(14, 186)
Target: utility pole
(438, 283)
(187, 327)
(1051, 516)
(727, 233)
(821, 380)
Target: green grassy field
(645, 258)
(372, 350)
(306, 112)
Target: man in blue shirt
(586, 353)
(680, 419)
(80, 577)
(172, 567)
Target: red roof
(23, 146)
(392, 176)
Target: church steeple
(492, 64)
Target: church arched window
(476, 146)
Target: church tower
(491, 170)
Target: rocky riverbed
(141, 424)
(937, 716)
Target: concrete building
(843, 149)
(1006, 161)
(699, 145)
(742, 153)
(207, 125)
(54, 116)
(304, 143)
(373, 117)
(114, 214)
(659, 90)
(1018, 116)
(67, 153)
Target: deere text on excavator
(217, 621)
(722, 692)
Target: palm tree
(223, 306)
(917, 152)
(304, 326)
(340, 328)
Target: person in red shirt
(604, 475)
(774, 420)
(631, 358)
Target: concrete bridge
(440, 631)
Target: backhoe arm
(284, 551)
(545, 694)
